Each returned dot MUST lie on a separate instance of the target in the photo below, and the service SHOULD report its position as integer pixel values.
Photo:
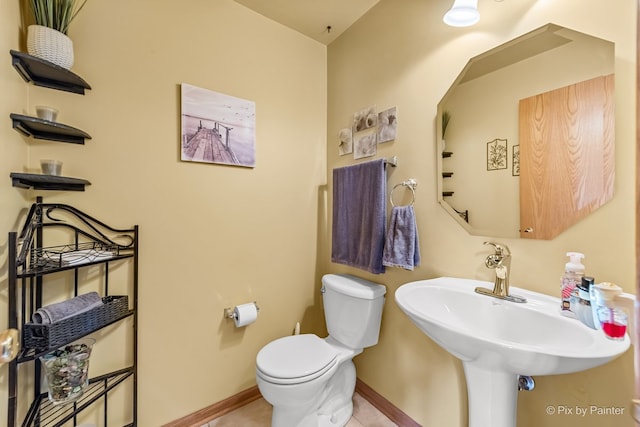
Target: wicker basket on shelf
(47, 336)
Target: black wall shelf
(45, 129)
(463, 214)
(46, 74)
(49, 75)
(47, 182)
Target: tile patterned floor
(258, 414)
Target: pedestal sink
(498, 340)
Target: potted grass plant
(47, 38)
(446, 116)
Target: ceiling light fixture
(463, 13)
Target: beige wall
(13, 153)
(401, 54)
(212, 236)
(215, 236)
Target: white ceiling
(312, 17)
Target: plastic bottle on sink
(611, 309)
(572, 277)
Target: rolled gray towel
(59, 311)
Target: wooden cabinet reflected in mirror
(561, 183)
(484, 107)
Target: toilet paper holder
(229, 314)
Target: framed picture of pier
(217, 128)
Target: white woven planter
(50, 45)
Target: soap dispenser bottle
(572, 277)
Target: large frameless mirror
(526, 135)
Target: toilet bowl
(309, 380)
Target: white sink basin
(528, 339)
(498, 340)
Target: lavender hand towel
(59, 311)
(401, 247)
(359, 215)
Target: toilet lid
(296, 357)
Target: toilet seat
(295, 359)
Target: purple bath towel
(401, 247)
(53, 313)
(359, 215)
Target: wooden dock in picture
(207, 145)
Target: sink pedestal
(492, 396)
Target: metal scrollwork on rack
(463, 214)
(89, 221)
(93, 239)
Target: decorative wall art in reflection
(497, 154)
(387, 125)
(365, 119)
(515, 161)
(346, 141)
(365, 144)
(217, 128)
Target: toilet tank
(352, 309)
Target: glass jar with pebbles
(67, 371)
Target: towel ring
(411, 184)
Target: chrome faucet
(501, 262)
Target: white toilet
(310, 380)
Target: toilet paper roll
(245, 314)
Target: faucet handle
(502, 250)
(501, 272)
